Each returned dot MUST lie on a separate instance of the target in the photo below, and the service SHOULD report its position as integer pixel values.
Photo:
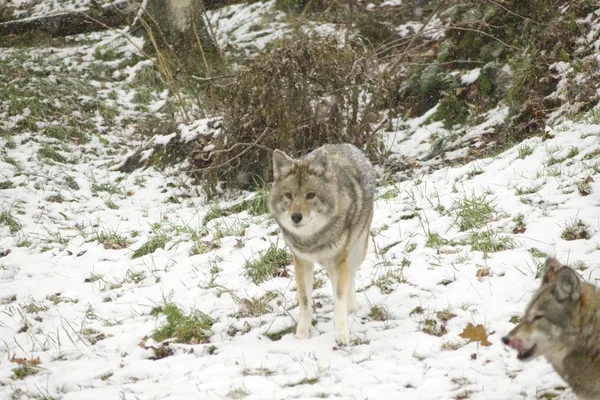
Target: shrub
(305, 92)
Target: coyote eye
(288, 195)
(537, 317)
(310, 196)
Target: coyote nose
(296, 217)
(505, 340)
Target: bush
(305, 92)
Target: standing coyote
(323, 204)
(562, 323)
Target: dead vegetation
(305, 92)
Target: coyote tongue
(518, 345)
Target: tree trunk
(114, 15)
(178, 27)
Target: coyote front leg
(303, 271)
(341, 290)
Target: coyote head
(548, 324)
(303, 198)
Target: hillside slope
(134, 285)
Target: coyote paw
(302, 333)
(342, 338)
(352, 307)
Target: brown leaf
(443, 330)
(24, 361)
(519, 229)
(475, 334)
(589, 179)
(481, 272)
(416, 310)
(445, 316)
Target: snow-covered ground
(82, 290)
(63, 290)
(36, 8)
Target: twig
(241, 153)
(485, 34)
(512, 12)
(210, 28)
(435, 10)
(141, 11)
(206, 66)
(212, 78)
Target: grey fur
(349, 167)
(562, 323)
(332, 191)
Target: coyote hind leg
(355, 258)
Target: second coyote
(323, 204)
(562, 323)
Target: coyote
(323, 204)
(562, 323)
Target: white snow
(164, 139)
(391, 3)
(470, 77)
(234, 32)
(60, 287)
(393, 358)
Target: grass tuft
(24, 370)
(490, 242)
(379, 313)
(6, 185)
(473, 212)
(157, 241)
(112, 240)
(192, 328)
(270, 264)
(9, 220)
(575, 230)
(524, 151)
(275, 336)
(48, 153)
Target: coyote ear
(282, 164)
(567, 285)
(551, 267)
(320, 164)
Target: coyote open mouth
(525, 354)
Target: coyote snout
(523, 345)
(323, 204)
(297, 217)
(561, 323)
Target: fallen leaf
(416, 310)
(475, 334)
(519, 229)
(588, 179)
(445, 316)
(24, 361)
(481, 272)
